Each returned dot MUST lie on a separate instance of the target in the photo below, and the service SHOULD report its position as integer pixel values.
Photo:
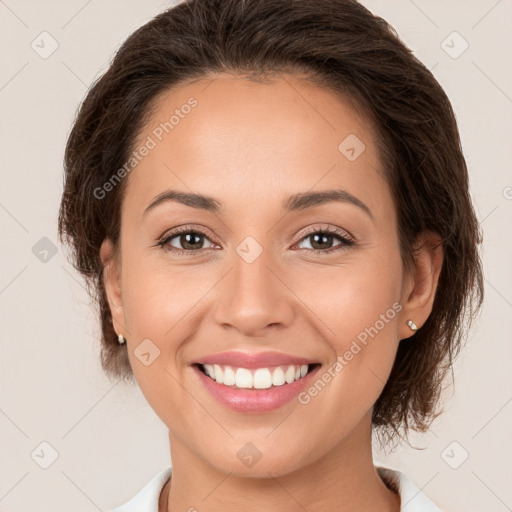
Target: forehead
(232, 138)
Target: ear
(112, 283)
(420, 285)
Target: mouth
(256, 378)
(257, 382)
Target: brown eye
(323, 241)
(183, 241)
(190, 241)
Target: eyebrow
(295, 202)
(311, 199)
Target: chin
(248, 461)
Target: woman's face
(250, 285)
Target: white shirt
(412, 499)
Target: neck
(342, 480)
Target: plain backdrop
(55, 403)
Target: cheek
(156, 295)
(165, 304)
(349, 298)
(357, 310)
(358, 316)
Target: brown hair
(341, 45)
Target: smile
(254, 382)
(258, 378)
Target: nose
(253, 298)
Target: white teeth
(209, 370)
(261, 378)
(229, 376)
(289, 375)
(243, 378)
(219, 374)
(278, 377)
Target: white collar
(411, 498)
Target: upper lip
(253, 360)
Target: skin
(250, 146)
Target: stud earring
(412, 325)
(120, 339)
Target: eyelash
(346, 240)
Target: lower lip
(254, 400)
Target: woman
(270, 203)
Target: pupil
(320, 239)
(188, 237)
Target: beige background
(109, 442)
